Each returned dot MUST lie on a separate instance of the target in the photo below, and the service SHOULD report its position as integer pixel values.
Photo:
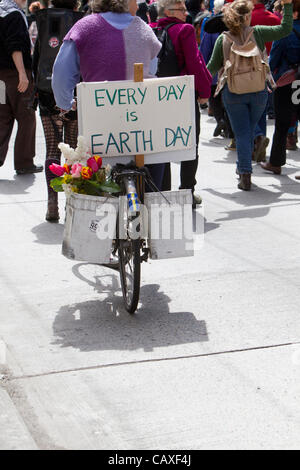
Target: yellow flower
(86, 173)
(67, 179)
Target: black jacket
(14, 37)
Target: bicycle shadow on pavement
(18, 185)
(103, 324)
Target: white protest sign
(155, 118)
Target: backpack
(52, 24)
(167, 60)
(246, 67)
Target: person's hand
(23, 83)
(202, 100)
(283, 2)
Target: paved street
(211, 360)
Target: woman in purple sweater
(105, 46)
(190, 62)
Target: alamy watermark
(173, 222)
(296, 94)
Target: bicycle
(130, 244)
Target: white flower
(67, 189)
(79, 155)
(107, 170)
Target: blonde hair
(235, 13)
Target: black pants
(188, 169)
(284, 110)
(217, 106)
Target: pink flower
(98, 160)
(76, 170)
(92, 164)
(57, 169)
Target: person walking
(246, 107)
(17, 85)
(284, 54)
(105, 46)
(190, 62)
(53, 24)
(261, 16)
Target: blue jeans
(244, 112)
(261, 128)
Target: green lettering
(130, 95)
(143, 94)
(181, 90)
(112, 100)
(112, 141)
(124, 137)
(136, 139)
(98, 98)
(160, 97)
(122, 94)
(149, 141)
(187, 134)
(167, 133)
(171, 92)
(94, 144)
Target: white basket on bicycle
(170, 226)
(87, 220)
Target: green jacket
(262, 34)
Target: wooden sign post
(139, 77)
(139, 159)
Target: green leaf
(110, 187)
(56, 184)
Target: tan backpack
(245, 66)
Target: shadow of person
(18, 185)
(259, 196)
(103, 324)
(48, 234)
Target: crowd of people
(242, 55)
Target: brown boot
(260, 144)
(274, 169)
(52, 214)
(291, 142)
(245, 182)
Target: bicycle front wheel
(130, 272)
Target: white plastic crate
(170, 226)
(85, 216)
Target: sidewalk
(211, 360)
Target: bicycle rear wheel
(130, 272)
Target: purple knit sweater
(107, 53)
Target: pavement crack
(155, 360)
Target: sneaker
(221, 126)
(29, 170)
(231, 146)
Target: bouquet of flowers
(82, 173)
